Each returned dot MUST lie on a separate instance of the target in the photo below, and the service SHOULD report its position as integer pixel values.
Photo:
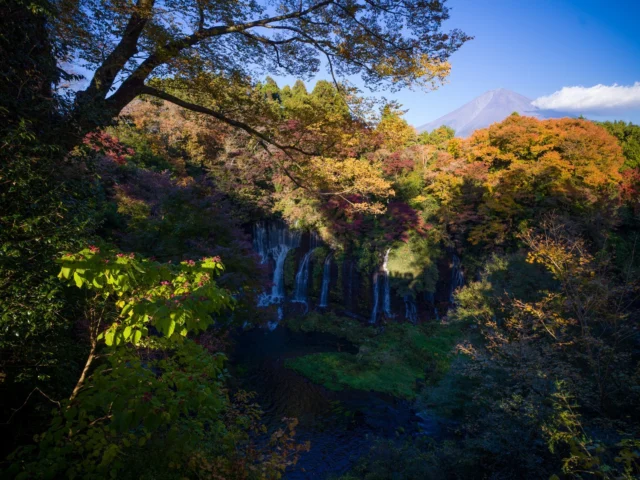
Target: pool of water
(340, 425)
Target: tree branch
(106, 74)
(27, 401)
(129, 89)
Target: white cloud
(597, 99)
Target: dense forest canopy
(130, 266)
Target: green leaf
(64, 272)
(108, 337)
(125, 309)
(78, 279)
(127, 332)
(137, 335)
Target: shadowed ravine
(340, 425)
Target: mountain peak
(490, 107)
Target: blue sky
(535, 48)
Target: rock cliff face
(490, 107)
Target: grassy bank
(391, 360)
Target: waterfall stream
(326, 278)
(376, 294)
(386, 304)
(302, 280)
(274, 240)
(410, 309)
(457, 277)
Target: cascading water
(376, 294)
(273, 324)
(302, 280)
(326, 278)
(274, 240)
(457, 277)
(410, 309)
(386, 304)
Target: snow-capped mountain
(490, 107)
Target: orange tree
(515, 171)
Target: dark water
(340, 425)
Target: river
(340, 425)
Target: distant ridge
(490, 107)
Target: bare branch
(24, 404)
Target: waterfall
(376, 294)
(260, 244)
(457, 277)
(431, 299)
(387, 289)
(302, 279)
(326, 278)
(274, 240)
(410, 309)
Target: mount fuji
(490, 107)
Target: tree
(393, 131)
(628, 135)
(154, 390)
(439, 137)
(535, 167)
(397, 43)
(556, 369)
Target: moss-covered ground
(392, 360)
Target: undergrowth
(391, 360)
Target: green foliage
(547, 328)
(165, 401)
(290, 270)
(146, 155)
(49, 202)
(393, 131)
(343, 327)
(401, 461)
(135, 405)
(582, 454)
(409, 186)
(413, 266)
(552, 386)
(439, 137)
(28, 57)
(451, 397)
(628, 135)
(391, 361)
(174, 299)
(501, 276)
